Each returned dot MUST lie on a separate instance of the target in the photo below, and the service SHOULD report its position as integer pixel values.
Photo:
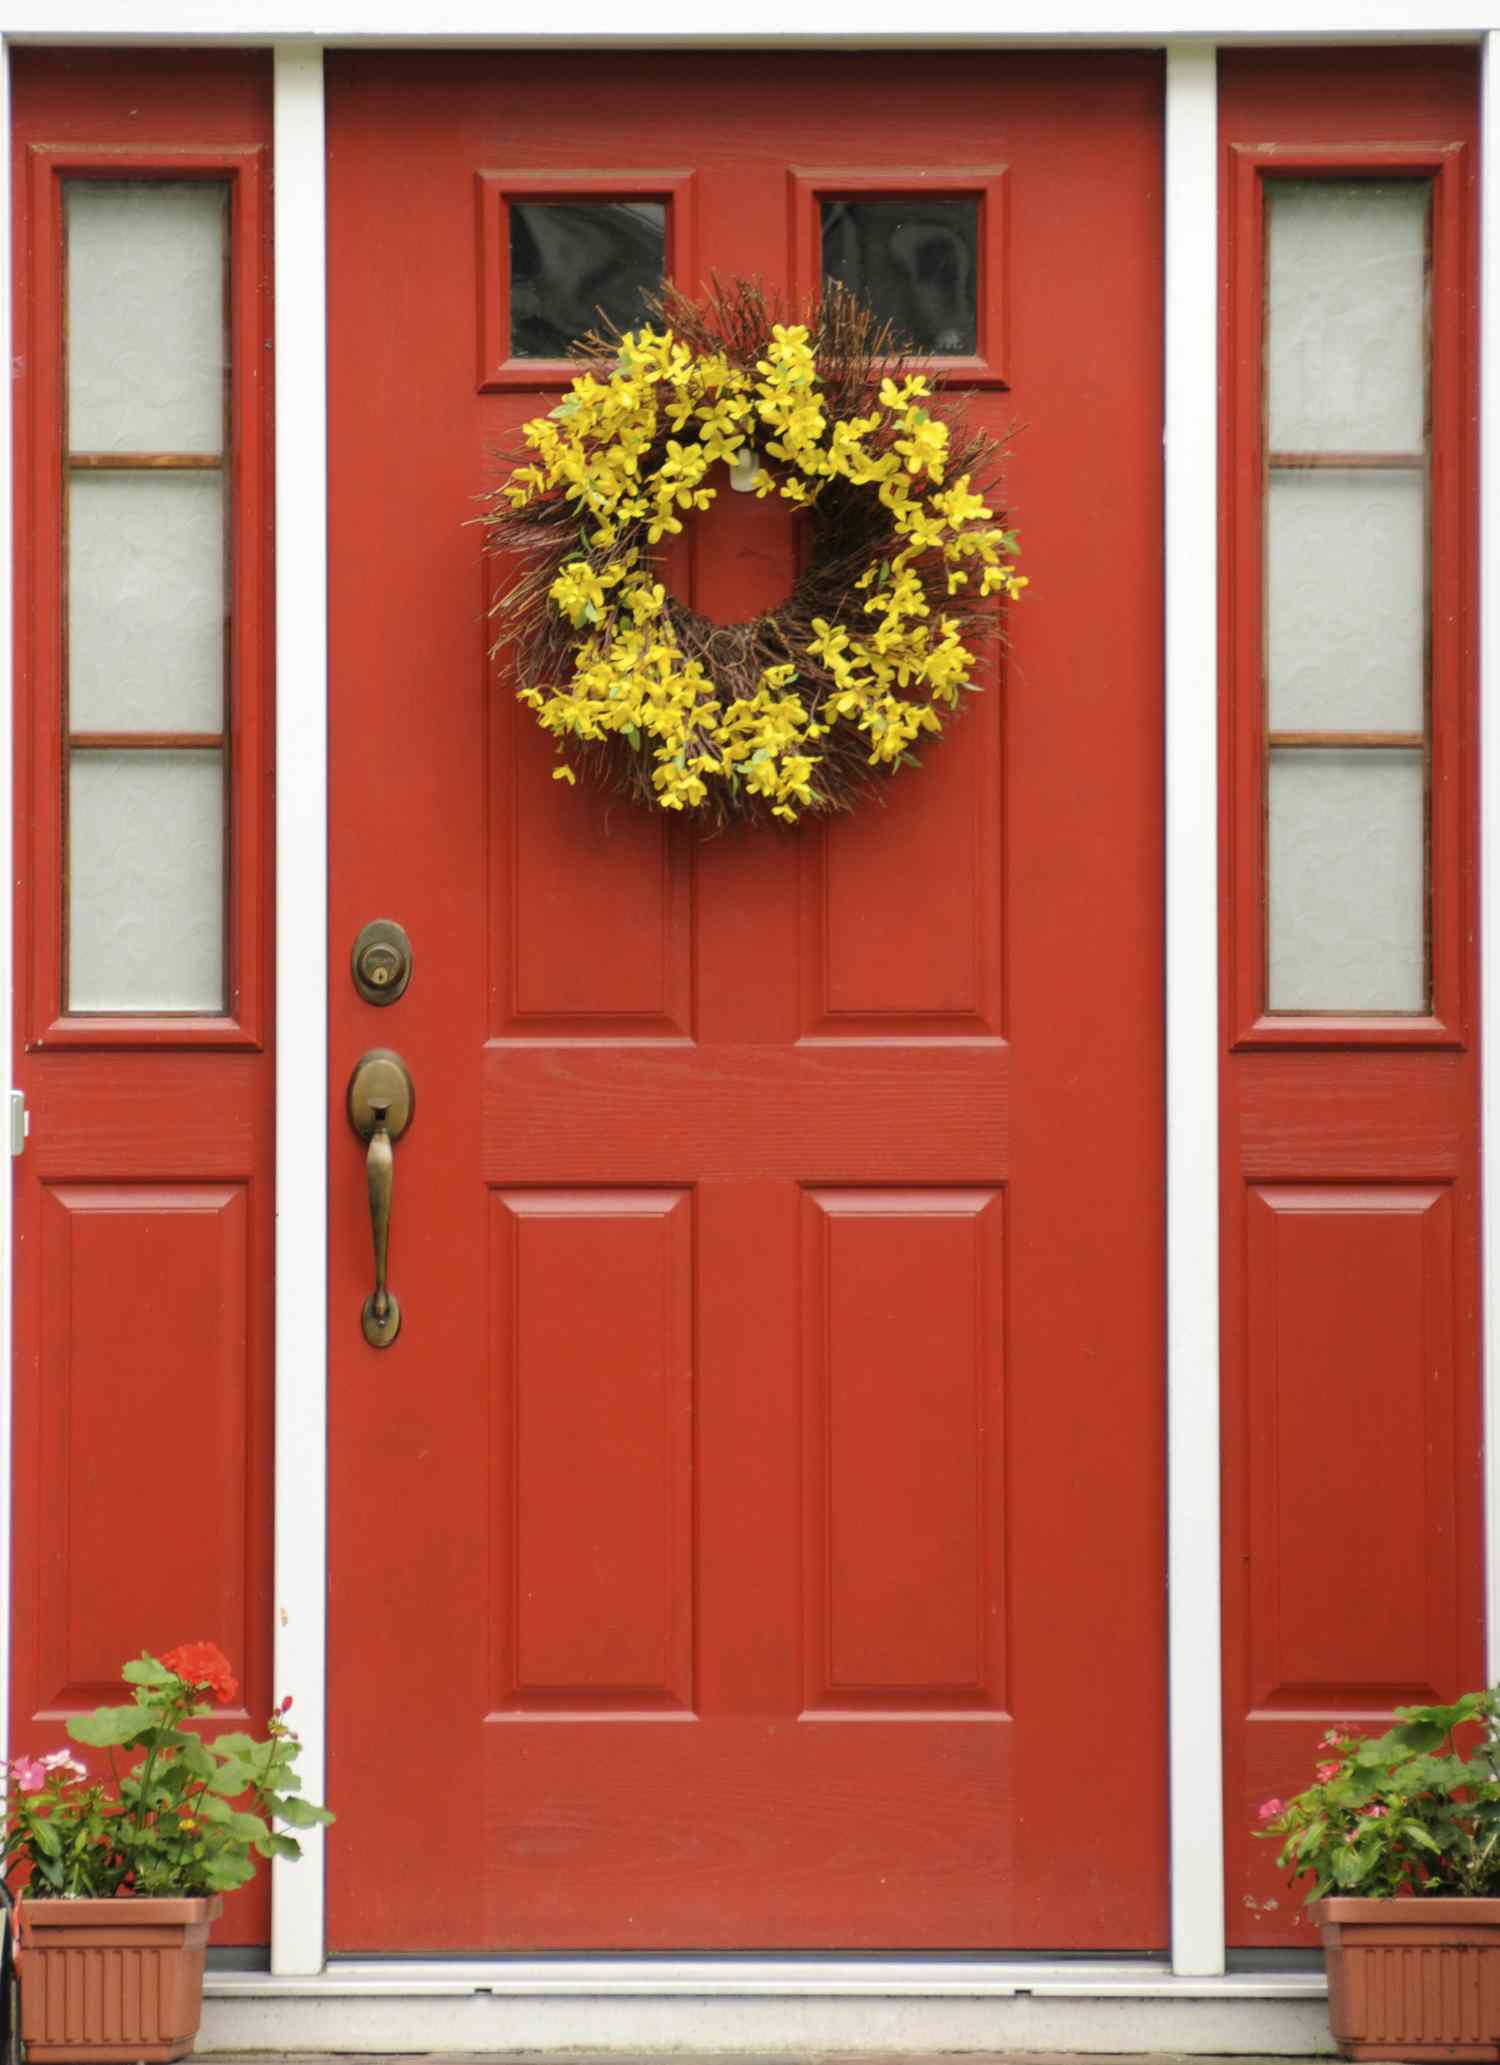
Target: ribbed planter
(1413, 1979)
(109, 1980)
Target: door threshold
(770, 2007)
(757, 1977)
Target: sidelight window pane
(147, 480)
(146, 331)
(1346, 618)
(145, 891)
(1346, 606)
(1346, 837)
(1346, 314)
(146, 602)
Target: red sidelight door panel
(1352, 1423)
(144, 1198)
(759, 1515)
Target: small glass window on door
(146, 548)
(1346, 532)
(915, 260)
(578, 265)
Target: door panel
(760, 1512)
(144, 1199)
(1350, 1141)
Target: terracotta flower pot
(1413, 1978)
(112, 1979)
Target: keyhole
(381, 962)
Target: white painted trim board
(301, 1559)
(750, 23)
(1195, 1676)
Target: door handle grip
(382, 1315)
(381, 1101)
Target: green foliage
(1415, 1811)
(188, 1817)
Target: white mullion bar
(1192, 1010)
(1489, 810)
(301, 969)
(12, 348)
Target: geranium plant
(188, 1817)
(1413, 1812)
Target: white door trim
(301, 1498)
(1194, 1639)
(861, 24)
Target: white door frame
(1189, 32)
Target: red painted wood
(900, 1618)
(1352, 1494)
(144, 1211)
(602, 1622)
(766, 1487)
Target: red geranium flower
(204, 1664)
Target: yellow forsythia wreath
(799, 709)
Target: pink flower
(1269, 1809)
(1327, 1771)
(30, 1775)
(1372, 1812)
(64, 1760)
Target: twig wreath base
(799, 710)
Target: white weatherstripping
(7, 940)
(301, 970)
(1489, 807)
(1195, 1678)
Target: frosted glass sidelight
(146, 331)
(1348, 873)
(146, 881)
(1346, 315)
(146, 602)
(1346, 613)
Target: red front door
(754, 1537)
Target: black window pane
(572, 262)
(915, 262)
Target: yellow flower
(627, 455)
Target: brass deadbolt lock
(381, 961)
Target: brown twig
(851, 530)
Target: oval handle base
(377, 1331)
